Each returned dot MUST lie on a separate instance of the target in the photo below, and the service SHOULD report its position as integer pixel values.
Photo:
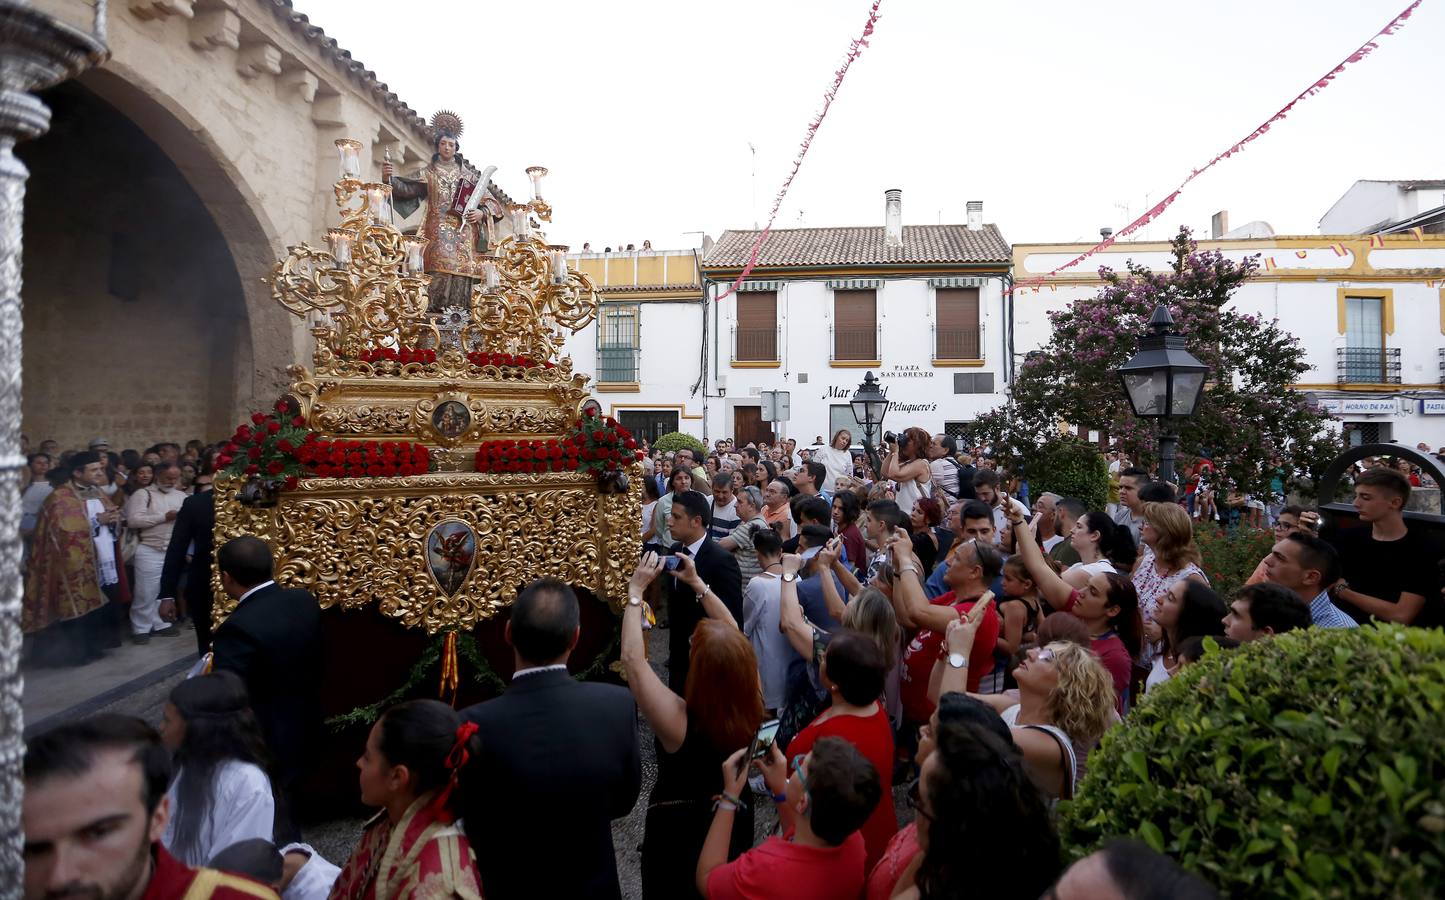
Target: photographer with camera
(905, 461)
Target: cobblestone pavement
(335, 838)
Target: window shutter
(758, 311)
(956, 323)
(855, 325)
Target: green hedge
(676, 440)
(1309, 765)
(1070, 468)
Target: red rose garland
(504, 360)
(596, 444)
(279, 445)
(364, 459)
(402, 355)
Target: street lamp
(870, 404)
(1163, 381)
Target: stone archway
(145, 318)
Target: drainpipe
(39, 52)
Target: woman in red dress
(853, 671)
(413, 849)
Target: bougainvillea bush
(1307, 765)
(1248, 414)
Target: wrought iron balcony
(1367, 365)
(756, 344)
(855, 344)
(957, 343)
(1442, 365)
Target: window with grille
(618, 343)
(1363, 358)
(755, 337)
(956, 324)
(855, 325)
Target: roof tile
(860, 247)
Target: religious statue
(459, 214)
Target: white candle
(339, 240)
(415, 255)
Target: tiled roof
(644, 288)
(860, 247)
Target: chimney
(1106, 232)
(1219, 224)
(975, 215)
(893, 218)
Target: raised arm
(827, 564)
(665, 711)
(790, 613)
(1052, 588)
(910, 602)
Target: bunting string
(855, 50)
(1153, 212)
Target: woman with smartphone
(719, 715)
(906, 462)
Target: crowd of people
(116, 546)
(835, 631)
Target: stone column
(36, 52)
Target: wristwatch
(958, 661)
(790, 576)
(633, 600)
(1338, 587)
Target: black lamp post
(870, 404)
(1163, 381)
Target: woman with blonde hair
(1065, 703)
(836, 458)
(1169, 557)
(906, 462)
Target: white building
(922, 307)
(1388, 207)
(1369, 311)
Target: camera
(890, 438)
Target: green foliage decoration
(1248, 414)
(1311, 765)
(1070, 468)
(677, 440)
(1229, 558)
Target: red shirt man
(971, 566)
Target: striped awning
(958, 281)
(761, 286)
(855, 284)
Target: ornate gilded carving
(352, 548)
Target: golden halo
(444, 121)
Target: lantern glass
(1184, 397)
(339, 242)
(1148, 392)
(536, 173)
(349, 153)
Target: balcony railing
(1367, 365)
(957, 343)
(756, 344)
(617, 364)
(855, 344)
(1442, 365)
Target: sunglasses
(802, 777)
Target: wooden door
(749, 427)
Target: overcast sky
(1060, 116)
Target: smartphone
(669, 561)
(763, 741)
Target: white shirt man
(152, 512)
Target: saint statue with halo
(459, 214)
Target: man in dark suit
(561, 761)
(194, 523)
(709, 570)
(273, 641)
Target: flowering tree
(1248, 415)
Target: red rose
(299, 422)
(274, 467)
(388, 470)
(630, 444)
(571, 463)
(281, 406)
(253, 470)
(285, 446)
(243, 434)
(599, 436)
(322, 471)
(253, 454)
(291, 482)
(223, 461)
(273, 427)
(354, 458)
(405, 469)
(258, 418)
